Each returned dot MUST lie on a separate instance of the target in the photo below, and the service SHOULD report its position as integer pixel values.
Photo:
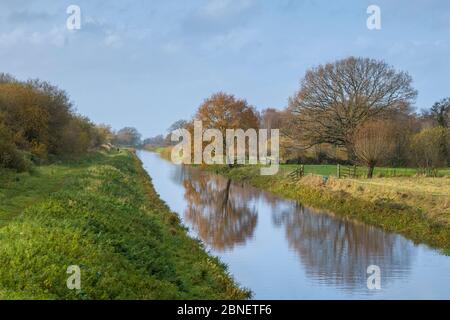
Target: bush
(40, 120)
(429, 147)
(10, 157)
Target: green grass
(102, 214)
(331, 170)
(20, 190)
(154, 148)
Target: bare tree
(177, 125)
(373, 144)
(336, 98)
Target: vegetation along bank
(100, 213)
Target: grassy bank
(102, 214)
(417, 207)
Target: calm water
(283, 250)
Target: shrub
(428, 148)
(10, 157)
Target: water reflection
(338, 251)
(331, 249)
(220, 214)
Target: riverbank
(408, 206)
(102, 214)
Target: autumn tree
(224, 111)
(37, 119)
(77, 136)
(10, 156)
(58, 107)
(336, 98)
(373, 144)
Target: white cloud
(55, 37)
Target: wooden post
(338, 171)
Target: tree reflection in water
(338, 251)
(332, 250)
(220, 214)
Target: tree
(7, 78)
(37, 119)
(57, 105)
(26, 115)
(224, 111)
(158, 140)
(373, 144)
(10, 157)
(177, 125)
(128, 136)
(104, 134)
(271, 119)
(77, 135)
(427, 147)
(403, 127)
(440, 112)
(336, 98)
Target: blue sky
(147, 63)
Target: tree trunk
(370, 171)
(351, 155)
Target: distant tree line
(354, 111)
(127, 136)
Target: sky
(148, 63)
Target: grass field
(21, 190)
(102, 214)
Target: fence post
(338, 171)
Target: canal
(281, 249)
